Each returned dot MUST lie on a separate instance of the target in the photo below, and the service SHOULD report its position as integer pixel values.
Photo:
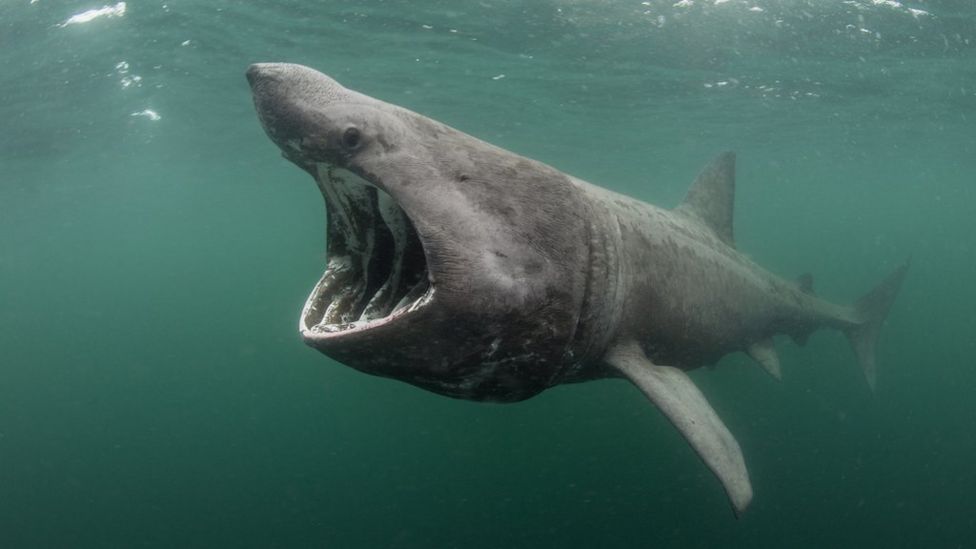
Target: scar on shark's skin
(475, 273)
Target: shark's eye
(351, 138)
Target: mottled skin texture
(538, 278)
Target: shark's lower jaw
(377, 270)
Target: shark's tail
(872, 309)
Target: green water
(155, 252)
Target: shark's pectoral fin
(673, 392)
(764, 352)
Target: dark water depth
(155, 252)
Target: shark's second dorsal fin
(710, 198)
(805, 282)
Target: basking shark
(479, 274)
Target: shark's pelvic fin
(764, 352)
(673, 392)
(872, 309)
(710, 198)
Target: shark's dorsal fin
(673, 392)
(710, 198)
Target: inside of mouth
(376, 263)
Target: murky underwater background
(155, 252)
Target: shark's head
(452, 264)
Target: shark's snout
(276, 87)
(289, 100)
(263, 72)
(266, 80)
(279, 91)
(298, 80)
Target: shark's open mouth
(377, 270)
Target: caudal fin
(872, 309)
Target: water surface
(155, 251)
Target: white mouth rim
(319, 300)
(334, 331)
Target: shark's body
(476, 273)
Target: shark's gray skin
(479, 274)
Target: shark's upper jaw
(377, 271)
